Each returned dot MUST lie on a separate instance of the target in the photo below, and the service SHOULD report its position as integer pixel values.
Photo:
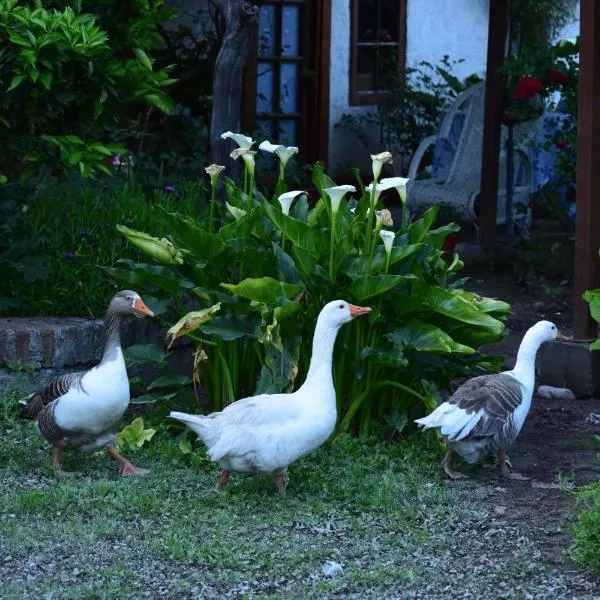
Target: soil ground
(557, 448)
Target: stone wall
(35, 349)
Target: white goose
(268, 432)
(81, 410)
(486, 413)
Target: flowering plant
(256, 273)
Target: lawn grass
(380, 510)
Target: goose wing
(54, 389)
(490, 401)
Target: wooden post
(492, 118)
(587, 222)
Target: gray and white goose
(82, 410)
(486, 413)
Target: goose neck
(112, 330)
(320, 369)
(525, 365)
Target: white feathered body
(96, 406)
(268, 432)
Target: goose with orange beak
(485, 414)
(266, 433)
(82, 410)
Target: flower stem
(332, 244)
(370, 218)
(213, 201)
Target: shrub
(57, 237)
(259, 273)
(65, 81)
(586, 529)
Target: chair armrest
(415, 161)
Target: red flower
(527, 87)
(557, 76)
(561, 144)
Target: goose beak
(562, 337)
(357, 311)
(141, 309)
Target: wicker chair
(456, 167)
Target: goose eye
(553, 327)
(341, 306)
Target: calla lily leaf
(266, 290)
(424, 337)
(301, 234)
(161, 250)
(231, 327)
(134, 435)
(191, 322)
(370, 287)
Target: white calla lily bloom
(396, 182)
(384, 217)
(378, 190)
(247, 155)
(378, 161)
(213, 171)
(287, 198)
(388, 239)
(336, 194)
(243, 141)
(284, 153)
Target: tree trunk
(241, 19)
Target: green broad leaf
(203, 245)
(230, 327)
(191, 321)
(451, 304)
(593, 297)
(419, 228)
(372, 286)
(162, 102)
(163, 277)
(305, 261)
(267, 290)
(387, 358)
(143, 58)
(286, 310)
(170, 381)
(185, 446)
(487, 305)
(145, 354)
(424, 337)
(16, 82)
(595, 345)
(46, 79)
(321, 179)
(297, 232)
(280, 367)
(240, 228)
(134, 435)
(286, 267)
(437, 236)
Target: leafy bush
(586, 529)
(258, 274)
(56, 238)
(65, 81)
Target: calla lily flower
(214, 171)
(162, 251)
(247, 155)
(243, 141)
(191, 322)
(336, 194)
(384, 218)
(395, 182)
(388, 240)
(378, 190)
(378, 161)
(284, 153)
(286, 200)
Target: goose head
(128, 302)
(544, 331)
(339, 312)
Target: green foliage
(65, 79)
(56, 238)
(134, 435)
(593, 298)
(271, 273)
(586, 528)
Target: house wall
(434, 28)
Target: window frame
(360, 97)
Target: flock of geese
(268, 432)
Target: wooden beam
(492, 118)
(587, 222)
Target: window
(377, 47)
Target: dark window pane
(290, 28)
(264, 87)
(289, 88)
(266, 30)
(367, 20)
(366, 58)
(287, 132)
(389, 21)
(265, 128)
(388, 66)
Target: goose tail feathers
(196, 423)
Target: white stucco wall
(434, 28)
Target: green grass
(586, 528)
